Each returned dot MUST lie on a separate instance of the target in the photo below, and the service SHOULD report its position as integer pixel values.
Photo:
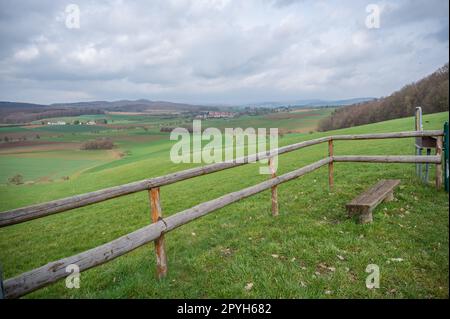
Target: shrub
(103, 144)
(16, 179)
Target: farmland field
(310, 251)
(49, 152)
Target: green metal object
(446, 156)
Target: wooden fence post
(274, 188)
(330, 165)
(439, 166)
(161, 257)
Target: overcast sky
(217, 51)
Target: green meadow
(311, 250)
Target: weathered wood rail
(53, 271)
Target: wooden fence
(53, 271)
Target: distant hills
(141, 105)
(431, 93)
(18, 112)
(19, 105)
(127, 105)
(312, 102)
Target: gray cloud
(217, 51)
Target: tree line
(431, 93)
(15, 116)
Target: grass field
(299, 122)
(136, 137)
(310, 251)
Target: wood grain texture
(365, 203)
(376, 194)
(388, 135)
(160, 247)
(388, 159)
(274, 190)
(53, 271)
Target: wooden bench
(364, 204)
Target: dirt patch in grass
(116, 154)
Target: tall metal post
(418, 144)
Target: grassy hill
(310, 251)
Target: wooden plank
(330, 166)
(274, 191)
(376, 194)
(160, 250)
(388, 135)
(388, 159)
(439, 165)
(23, 214)
(45, 275)
(364, 204)
(53, 271)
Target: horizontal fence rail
(23, 214)
(376, 136)
(40, 277)
(388, 159)
(53, 271)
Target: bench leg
(353, 212)
(365, 216)
(389, 197)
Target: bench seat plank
(367, 201)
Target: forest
(431, 93)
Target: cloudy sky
(216, 51)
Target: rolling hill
(431, 93)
